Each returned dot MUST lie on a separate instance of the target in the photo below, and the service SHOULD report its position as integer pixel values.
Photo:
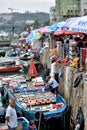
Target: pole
(39, 120)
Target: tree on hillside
(36, 24)
(47, 23)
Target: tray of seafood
(36, 98)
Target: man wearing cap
(52, 83)
(32, 125)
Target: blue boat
(23, 123)
(27, 106)
(15, 52)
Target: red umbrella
(65, 32)
(32, 69)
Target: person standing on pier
(53, 69)
(11, 116)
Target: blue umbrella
(34, 35)
(24, 33)
(54, 27)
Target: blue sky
(23, 5)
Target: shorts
(9, 128)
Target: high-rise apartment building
(70, 8)
(52, 14)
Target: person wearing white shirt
(53, 72)
(11, 116)
(53, 68)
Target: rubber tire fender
(77, 80)
(80, 120)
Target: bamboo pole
(40, 120)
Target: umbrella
(43, 30)
(65, 32)
(24, 34)
(77, 24)
(32, 69)
(55, 26)
(34, 36)
(51, 28)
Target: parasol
(77, 24)
(43, 30)
(32, 69)
(24, 34)
(34, 36)
(65, 32)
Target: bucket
(53, 51)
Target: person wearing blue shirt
(31, 126)
(53, 84)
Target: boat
(10, 68)
(26, 56)
(2, 53)
(12, 53)
(15, 52)
(33, 101)
(5, 43)
(7, 63)
(23, 124)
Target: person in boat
(31, 126)
(11, 116)
(52, 83)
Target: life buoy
(77, 80)
(80, 120)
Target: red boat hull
(10, 68)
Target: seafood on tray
(36, 98)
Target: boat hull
(10, 68)
(57, 112)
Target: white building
(52, 14)
(83, 6)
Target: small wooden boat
(10, 68)
(7, 63)
(26, 56)
(12, 53)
